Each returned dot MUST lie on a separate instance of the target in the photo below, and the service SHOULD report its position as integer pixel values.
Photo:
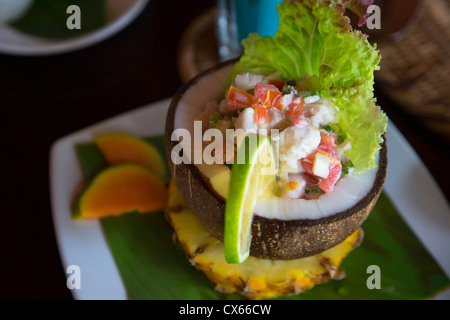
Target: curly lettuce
(316, 45)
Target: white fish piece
(246, 120)
(247, 81)
(311, 99)
(319, 114)
(297, 142)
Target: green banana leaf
(152, 267)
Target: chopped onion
(321, 165)
(311, 99)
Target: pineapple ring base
(255, 278)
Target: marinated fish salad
(313, 80)
(310, 154)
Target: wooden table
(45, 98)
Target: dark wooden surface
(45, 98)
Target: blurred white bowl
(10, 10)
(121, 13)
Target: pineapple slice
(255, 278)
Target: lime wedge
(252, 178)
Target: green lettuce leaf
(316, 44)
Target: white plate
(409, 184)
(122, 12)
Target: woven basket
(415, 71)
(198, 46)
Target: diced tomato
(311, 179)
(260, 115)
(295, 112)
(330, 150)
(238, 99)
(296, 107)
(278, 83)
(298, 120)
(266, 93)
(328, 183)
(327, 140)
(307, 163)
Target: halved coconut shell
(271, 238)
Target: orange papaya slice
(121, 189)
(122, 148)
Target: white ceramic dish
(122, 13)
(409, 184)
